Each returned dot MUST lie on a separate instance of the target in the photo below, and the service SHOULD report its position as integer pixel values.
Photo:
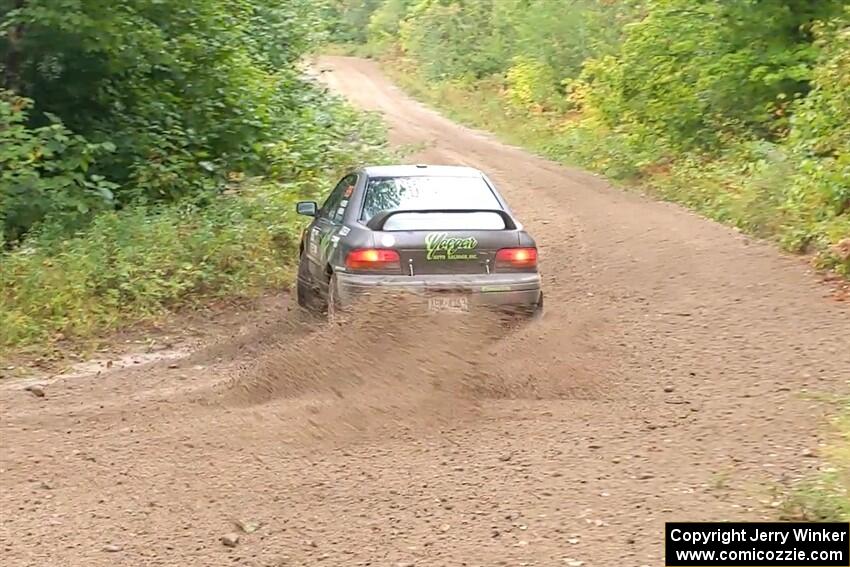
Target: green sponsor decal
(440, 246)
(323, 241)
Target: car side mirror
(307, 208)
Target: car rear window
(424, 192)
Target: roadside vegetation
(739, 110)
(827, 497)
(151, 153)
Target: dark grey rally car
(443, 232)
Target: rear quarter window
(337, 201)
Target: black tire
(303, 292)
(525, 315)
(332, 307)
(538, 310)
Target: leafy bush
(691, 74)
(44, 171)
(185, 92)
(137, 263)
(563, 34)
(464, 38)
(820, 143)
(127, 130)
(349, 19)
(134, 264)
(385, 22)
(530, 84)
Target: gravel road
(679, 373)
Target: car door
(320, 243)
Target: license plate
(450, 304)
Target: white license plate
(451, 304)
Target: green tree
(458, 38)
(186, 92)
(692, 73)
(44, 171)
(385, 22)
(348, 20)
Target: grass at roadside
(133, 265)
(747, 187)
(827, 497)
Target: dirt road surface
(678, 374)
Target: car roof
(421, 170)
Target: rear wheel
(521, 316)
(303, 291)
(537, 313)
(333, 307)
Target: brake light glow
(516, 258)
(373, 259)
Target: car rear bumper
(493, 290)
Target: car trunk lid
(448, 252)
(445, 241)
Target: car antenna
(422, 165)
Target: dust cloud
(388, 364)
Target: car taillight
(379, 259)
(516, 258)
